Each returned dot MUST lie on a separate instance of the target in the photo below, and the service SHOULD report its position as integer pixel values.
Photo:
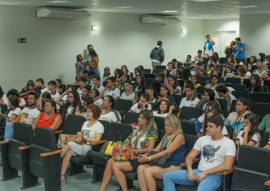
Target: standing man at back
(208, 46)
(157, 55)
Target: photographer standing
(208, 46)
(239, 49)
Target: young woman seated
(140, 84)
(249, 135)
(164, 109)
(91, 132)
(142, 141)
(255, 84)
(129, 94)
(73, 103)
(209, 97)
(85, 103)
(141, 105)
(172, 84)
(165, 95)
(107, 112)
(94, 94)
(49, 118)
(173, 143)
(209, 114)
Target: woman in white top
(141, 105)
(249, 135)
(129, 94)
(73, 103)
(107, 113)
(164, 109)
(91, 132)
(14, 111)
(209, 114)
(94, 94)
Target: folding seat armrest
(224, 173)
(183, 164)
(58, 132)
(24, 148)
(93, 143)
(4, 142)
(48, 154)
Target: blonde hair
(173, 121)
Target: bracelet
(149, 159)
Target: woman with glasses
(73, 103)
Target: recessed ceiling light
(60, 1)
(247, 6)
(172, 11)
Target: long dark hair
(254, 121)
(76, 104)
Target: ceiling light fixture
(122, 7)
(172, 11)
(205, 1)
(247, 6)
(94, 27)
(60, 1)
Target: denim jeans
(210, 183)
(9, 131)
(197, 125)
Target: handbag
(109, 148)
(122, 151)
(163, 162)
(63, 139)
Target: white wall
(222, 25)
(53, 44)
(254, 32)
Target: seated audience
(164, 109)
(142, 141)
(141, 105)
(165, 95)
(106, 74)
(82, 83)
(85, 103)
(129, 94)
(236, 119)
(190, 100)
(91, 132)
(209, 97)
(139, 84)
(96, 84)
(110, 89)
(14, 92)
(29, 87)
(45, 97)
(49, 118)
(172, 84)
(213, 82)
(217, 155)
(40, 84)
(223, 93)
(265, 124)
(27, 115)
(85, 92)
(156, 84)
(207, 115)
(59, 86)
(249, 135)
(194, 79)
(173, 143)
(149, 91)
(53, 91)
(255, 84)
(94, 94)
(107, 112)
(72, 104)
(260, 68)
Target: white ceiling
(185, 8)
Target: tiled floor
(80, 182)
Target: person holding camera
(239, 49)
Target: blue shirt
(238, 53)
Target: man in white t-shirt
(110, 89)
(28, 115)
(53, 92)
(217, 155)
(96, 84)
(190, 100)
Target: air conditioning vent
(159, 19)
(61, 13)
